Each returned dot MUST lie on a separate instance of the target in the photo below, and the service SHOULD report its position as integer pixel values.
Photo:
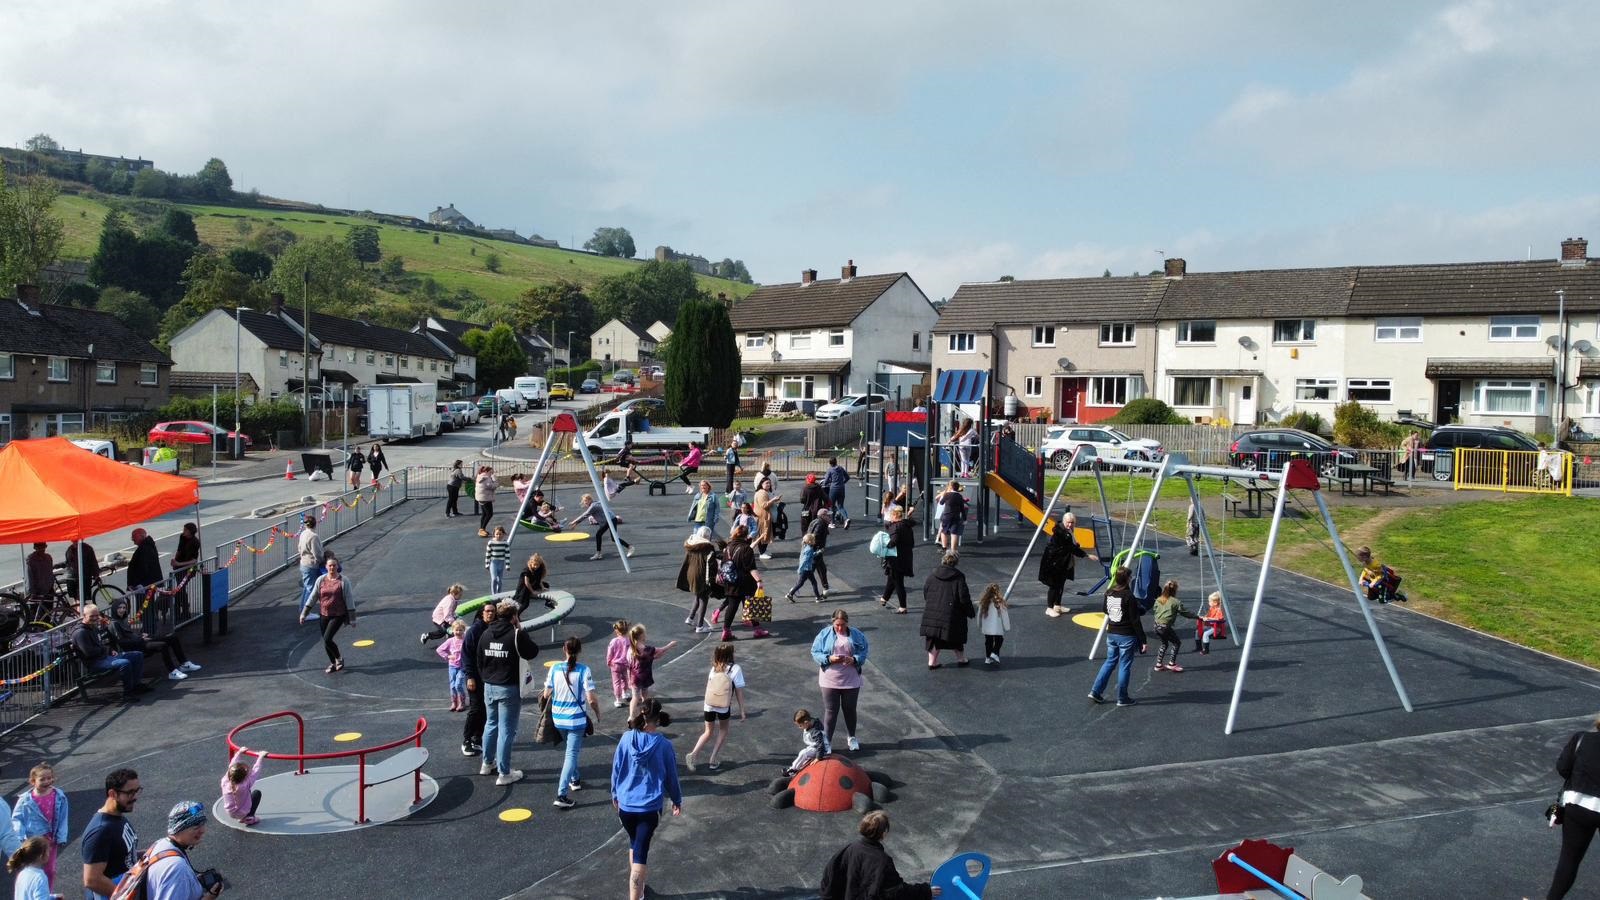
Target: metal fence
(848, 431)
(1513, 471)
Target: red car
(189, 433)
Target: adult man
(40, 568)
(171, 875)
(99, 651)
(833, 482)
(498, 650)
(144, 570)
(819, 537)
(309, 546)
(472, 727)
(110, 845)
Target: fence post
(1505, 470)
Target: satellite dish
(1553, 341)
(1063, 363)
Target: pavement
(1069, 798)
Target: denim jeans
(497, 574)
(502, 702)
(1120, 649)
(308, 577)
(569, 767)
(131, 662)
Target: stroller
(780, 523)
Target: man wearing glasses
(110, 846)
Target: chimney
(28, 294)
(1174, 267)
(277, 303)
(1574, 252)
(807, 276)
(848, 270)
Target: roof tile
(819, 304)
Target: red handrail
(360, 753)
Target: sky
(954, 141)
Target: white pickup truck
(614, 429)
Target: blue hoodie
(643, 769)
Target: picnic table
(1347, 475)
(1253, 501)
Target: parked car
(561, 391)
(622, 376)
(848, 405)
(190, 433)
(1446, 439)
(447, 418)
(589, 386)
(511, 400)
(466, 412)
(1108, 443)
(1271, 449)
(486, 405)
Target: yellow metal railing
(1513, 471)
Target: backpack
(727, 573)
(719, 690)
(881, 547)
(133, 885)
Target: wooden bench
(1230, 503)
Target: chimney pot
(1174, 267)
(807, 276)
(277, 303)
(1574, 252)
(848, 270)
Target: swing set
(560, 426)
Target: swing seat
(1200, 629)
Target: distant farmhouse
(449, 217)
(78, 157)
(700, 264)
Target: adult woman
(703, 508)
(745, 583)
(839, 652)
(335, 596)
(766, 497)
(569, 689)
(354, 464)
(452, 488)
(1410, 452)
(1058, 561)
(864, 869)
(1579, 765)
(730, 462)
(952, 516)
(696, 576)
(483, 490)
(946, 607)
(960, 447)
(812, 498)
(184, 561)
(644, 771)
(376, 462)
(595, 513)
(897, 568)
(533, 579)
(129, 637)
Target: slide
(1014, 497)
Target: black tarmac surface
(1070, 799)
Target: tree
(492, 262)
(363, 240)
(41, 142)
(500, 357)
(273, 240)
(394, 267)
(611, 242)
(558, 307)
(337, 284)
(30, 233)
(213, 182)
(117, 258)
(251, 263)
(151, 183)
(210, 282)
(702, 357)
(654, 290)
(179, 225)
(133, 310)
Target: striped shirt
(566, 707)
(496, 551)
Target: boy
(816, 746)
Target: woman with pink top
(444, 614)
(239, 795)
(839, 652)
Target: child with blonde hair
(239, 794)
(617, 663)
(444, 613)
(450, 652)
(1165, 613)
(807, 569)
(1212, 623)
(641, 661)
(42, 813)
(724, 686)
(994, 618)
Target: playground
(1067, 798)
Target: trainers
(689, 761)
(1174, 667)
(688, 620)
(250, 820)
(574, 785)
(189, 667)
(766, 556)
(422, 638)
(988, 660)
(511, 777)
(486, 769)
(1128, 702)
(1096, 698)
(824, 594)
(629, 553)
(562, 801)
(1160, 666)
(1053, 612)
(854, 744)
(618, 704)
(469, 750)
(176, 675)
(714, 765)
(598, 556)
(482, 533)
(702, 629)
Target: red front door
(1069, 398)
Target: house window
(1316, 388)
(1514, 328)
(1191, 391)
(964, 342)
(1116, 334)
(1197, 331)
(371, 358)
(8, 367)
(752, 388)
(1399, 328)
(283, 359)
(754, 340)
(149, 373)
(1044, 335)
(447, 368)
(405, 362)
(798, 387)
(350, 355)
(5, 428)
(1510, 397)
(1369, 390)
(916, 340)
(63, 423)
(1591, 400)
(388, 360)
(1294, 331)
(800, 340)
(836, 338)
(1113, 391)
(1033, 386)
(105, 372)
(58, 368)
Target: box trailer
(402, 411)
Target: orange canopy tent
(53, 490)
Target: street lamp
(238, 353)
(569, 353)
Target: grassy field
(451, 262)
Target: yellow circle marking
(517, 814)
(345, 737)
(1089, 620)
(554, 662)
(566, 537)
(368, 642)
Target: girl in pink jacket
(618, 662)
(239, 796)
(450, 651)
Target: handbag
(1555, 813)
(758, 608)
(546, 732)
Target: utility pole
(305, 356)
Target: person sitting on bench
(99, 651)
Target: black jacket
(946, 606)
(1580, 766)
(1060, 557)
(903, 538)
(1122, 614)
(145, 567)
(819, 533)
(497, 651)
(469, 646)
(864, 871)
(94, 643)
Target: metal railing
(1513, 471)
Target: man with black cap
(171, 876)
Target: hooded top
(497, 651)
(947, 605)
(643, 771)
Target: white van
(511, 399)
(535, 390)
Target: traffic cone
(288, 470)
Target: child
(617, 662)
(737, 498)
(641, 660)
(1165, 612)
(444, 613)
(42, 813)
(994, 617)
(450, 652)
(612, 488)
(746, 518)
(724, 685)
(238, 785)
(807, 569)
(496, 554)
(1378, 580)
(815, 746)
(519, 486)
(31, 881)
(1212, 623)
(545, 517)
